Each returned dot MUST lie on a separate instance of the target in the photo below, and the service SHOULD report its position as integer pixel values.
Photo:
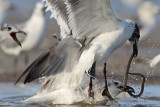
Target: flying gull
(90, 32)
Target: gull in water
(8, 31)
(71, 95)
(35, 28)
(90, 32)
(4, 7)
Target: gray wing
(55, 60)
(59, 12)
(89, 18)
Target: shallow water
(11, 95)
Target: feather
(58, 58)
(59, 12)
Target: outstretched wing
(59, 12)
(55, 60)
(89, 18)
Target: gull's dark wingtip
(32, 70)
(20, 78)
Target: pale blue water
(11, 95)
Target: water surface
(11, 95)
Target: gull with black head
(90, 32)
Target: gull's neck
(3, 36)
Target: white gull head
(8, 31)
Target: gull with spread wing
(90, 32)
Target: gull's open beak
(14, 37)
(20, 31)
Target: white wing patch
(58, 10)
(89, 18)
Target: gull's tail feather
(59, 12)
(58, 58)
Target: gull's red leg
(106, 91)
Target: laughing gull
(35, 28)
(90, 32)
(67, 95)
(8, 31)
(4, 7)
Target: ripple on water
(12, 96)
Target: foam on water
(11, 95)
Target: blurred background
(145, 12)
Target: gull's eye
(9, 28)
(116, 83)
